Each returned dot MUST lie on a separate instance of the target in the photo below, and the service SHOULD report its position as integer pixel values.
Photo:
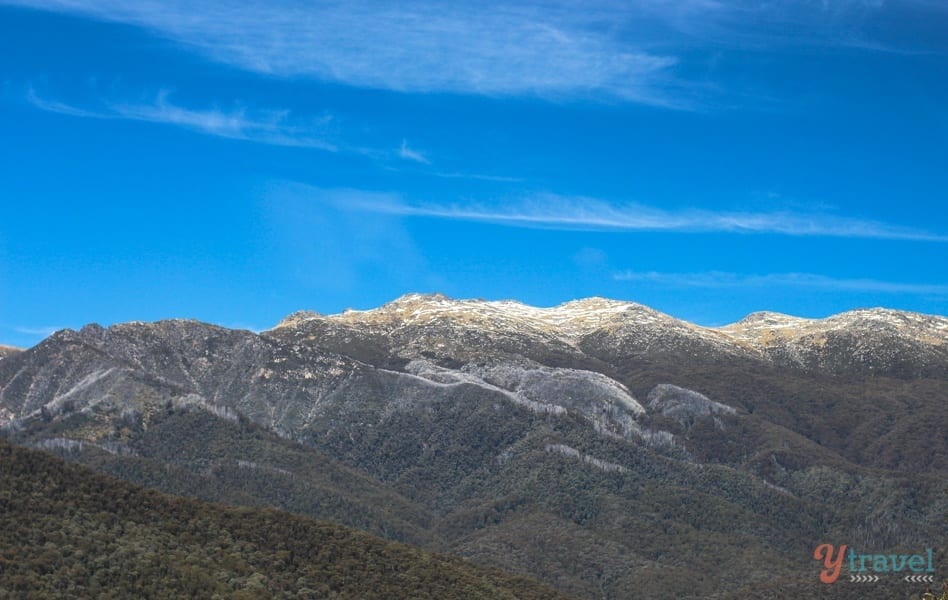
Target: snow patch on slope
(600, 464)
(433, 374)
(684, 405)
(548, 390)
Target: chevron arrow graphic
(919, 578)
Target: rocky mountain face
(8, 351)
(601, 446)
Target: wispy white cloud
(789, 24)
(273, 127)
(336, 251)
(62, 108)
(479, 176)
(551, 49)
(40, 332)
(413, 155)
(719, 279)
(626, 50)
(557, 212)
(268, 127)
(245, 327)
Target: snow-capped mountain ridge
(572, 320)
(8, 351)
(567, 320)
(586, 413)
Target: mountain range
(605, 448)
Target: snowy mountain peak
(8, 351)
(566, 321)
(866, 339)
(761, 326)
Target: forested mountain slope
(604, 447)
(67, 532)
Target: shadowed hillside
(66, 532)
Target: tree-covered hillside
(67, 532)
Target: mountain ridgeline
(605, 448)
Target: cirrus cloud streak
(720, 280)
(267, 127)
(548, 211)
(507, 49)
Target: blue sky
(235, 163)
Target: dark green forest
(67, 532)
